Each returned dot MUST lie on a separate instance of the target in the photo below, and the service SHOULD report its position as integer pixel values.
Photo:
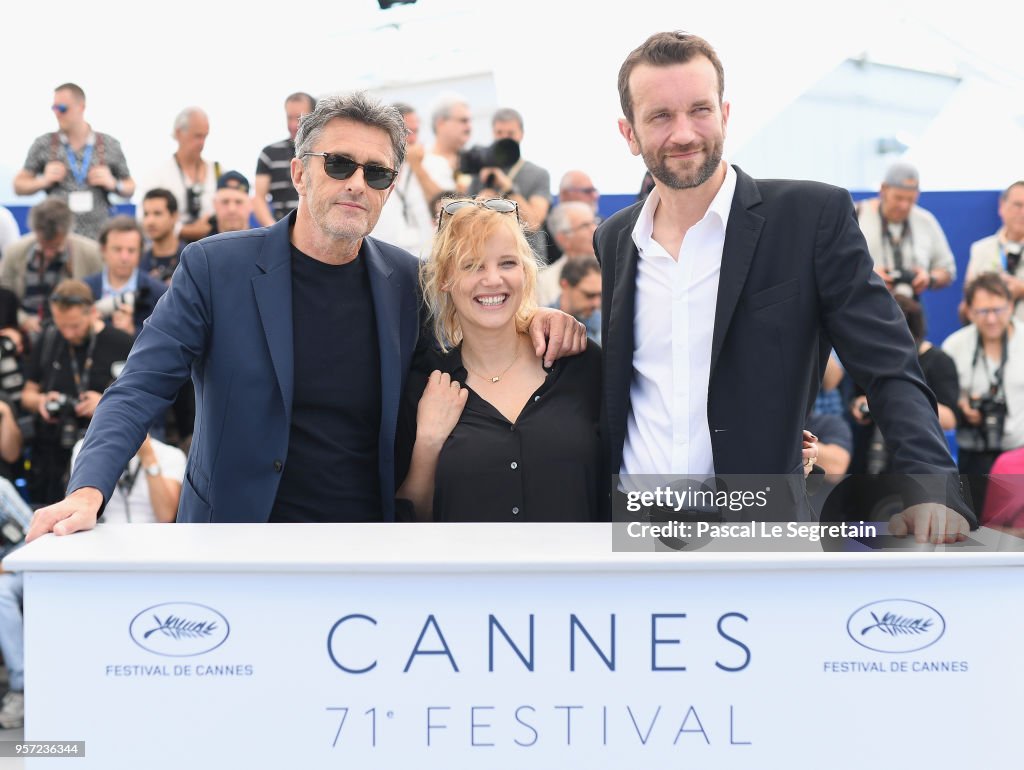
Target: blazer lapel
(273, 290)
(741, 236)
(619, 344)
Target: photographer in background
(989, 357)
(126, 294)
(940, 374)
(72, 364)
(513, 177)
(906, 242)
(159, 221)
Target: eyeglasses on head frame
(500, 205)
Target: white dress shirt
(676, 295)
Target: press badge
(81, 201)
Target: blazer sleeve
(175, 335)
(873, 341)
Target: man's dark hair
(575, 270)
(661, 50)
(1006, 193)
(507, 113)
(165, 195)
(74, 88)
(50, 218)
(302, 96)
(404, 108)
(993, 283)
(915, 317)
(121, 224)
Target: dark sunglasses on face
(500, 205)
(342, 167)
(61, 108)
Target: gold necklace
(496, 378)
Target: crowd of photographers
(76, 289)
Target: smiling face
(487, 289)
(678, 123)
(344, 209)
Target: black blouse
(544, 467)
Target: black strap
(995, 381)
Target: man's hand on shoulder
(930, 523)
(76, 512)
(556, 335)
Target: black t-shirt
(109, 347)
(544, 467)
(161, 268)
(332, 471)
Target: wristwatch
(153, 470)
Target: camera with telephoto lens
(504, 153)
(62, 409)
(993, 419)
(107, 306)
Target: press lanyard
(995, 381)
(79, 171)
(895, 245)
(80, 376)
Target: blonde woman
(497, 436)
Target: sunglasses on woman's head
(341, 167)
(501, 205)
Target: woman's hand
(439, 409)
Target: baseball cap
(902, 176)
(233, 180)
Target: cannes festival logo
(179, 629)
(896, 625)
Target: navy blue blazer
(796, 279)
(149, 291)
(227, 321)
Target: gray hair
(558, 219)
(506, 114)
(182, 120)
(443, 108)
(358, 107)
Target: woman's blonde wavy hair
(460, 240)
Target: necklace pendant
(496, 379)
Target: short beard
(660, 170)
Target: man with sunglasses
(299, 338)
(76, 164)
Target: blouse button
(515, 465)
(536, 398)
(515, 511)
